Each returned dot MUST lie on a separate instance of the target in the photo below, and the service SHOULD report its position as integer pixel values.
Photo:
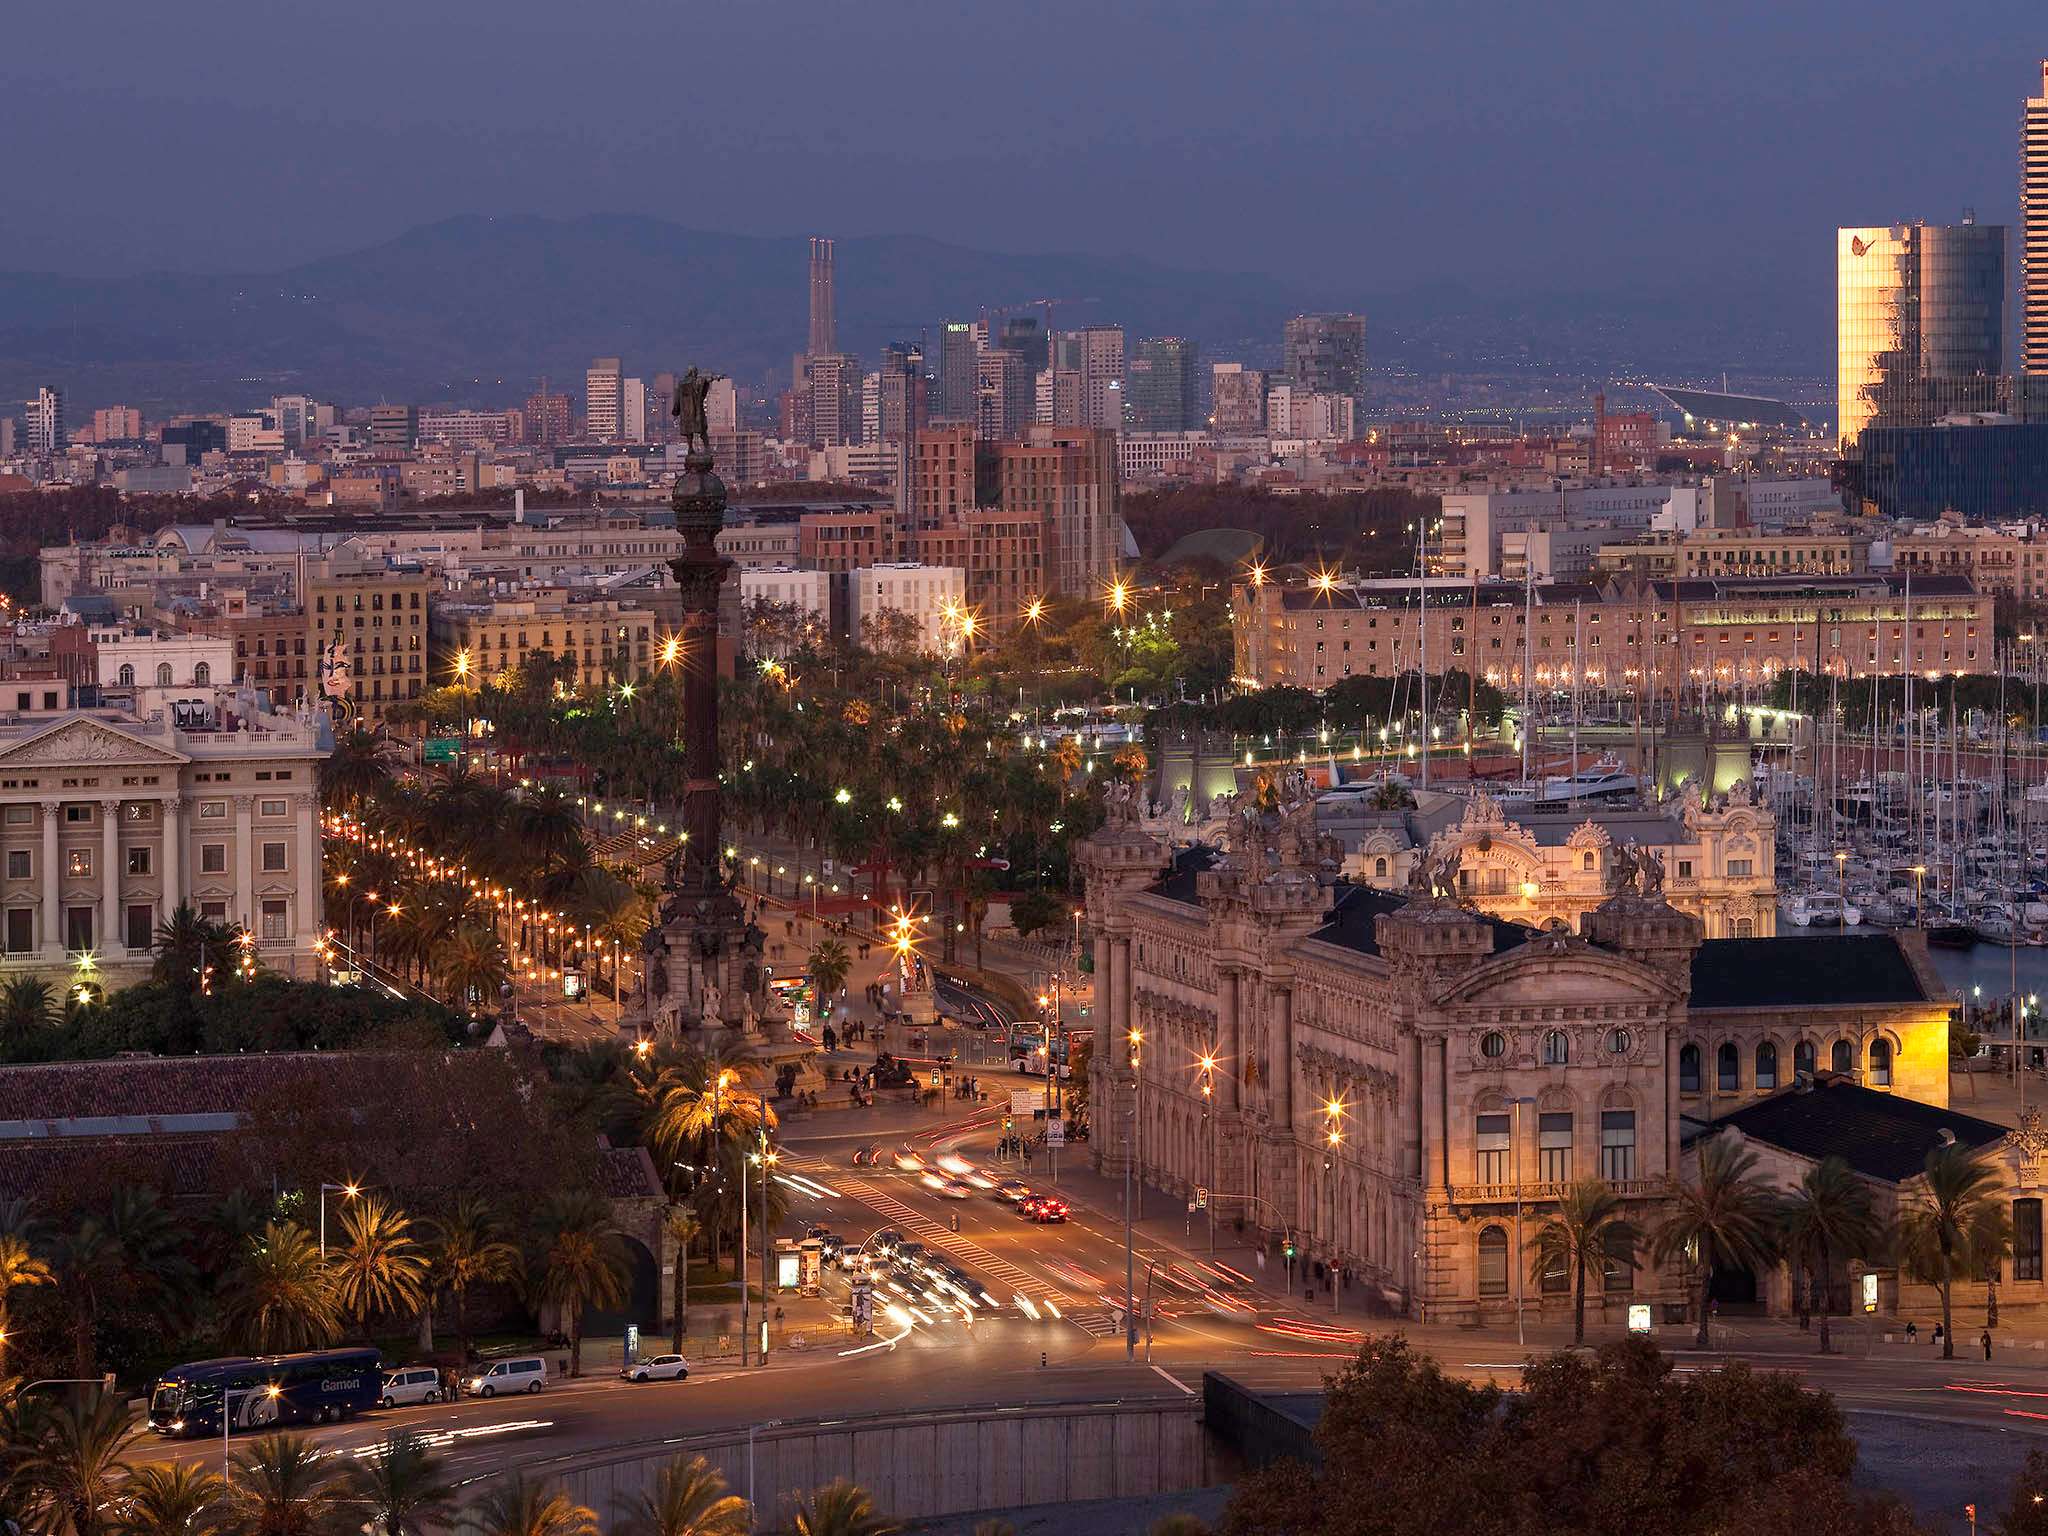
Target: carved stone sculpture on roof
(1588, 834)
(1482, 810)
(1624, 870)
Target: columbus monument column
(704, 976)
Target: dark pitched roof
(1179, 884)
(1880, 1135)
(1805, 972)
(1350, 924)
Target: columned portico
(110, 940)
(50, 932)
(171, 813)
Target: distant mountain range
(477, 310)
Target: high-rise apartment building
(116, 424)
(1919, 324)
(1003, 395)
(2034, 232)
(833, 389)
(824, 318)
(1096, 354)
(394, 428)
(1237, 400)
(1067, 477)
(959, 374)
(902, 392)
(632, 410)
(1159, 386)
(547, 418)
(1326, 354)
(942, 478)
(601, 400)
(46, 435)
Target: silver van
(520, 1373)
(411, 1384)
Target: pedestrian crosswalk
(1097, 1325)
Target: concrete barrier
(948, 1462)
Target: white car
(411, 1384)
(659, 1368)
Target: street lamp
(350, 1191)
(1842, 887)
(1137, 1040)
(1205, 1066)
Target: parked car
(519, 1373)
(660, 1368)
(411, 1384)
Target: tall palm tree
(162, 1498)
(1829, 1215)
(18, 1267)
(283, 1485)
(1585, 1232)
(1721, 1219)
(469, 1246)
(380, 1267)
(582, 1263)
(828, 968)
(70, 1474)
(354, 771)
(1953, 1225)
(27, 1005)
(186, 943)
(470, 966)
(522, 1506)
(401, 1485)
(840, 1508)
(280, 1295)
(129, 1246)
(683, 1226)
(689, 1499)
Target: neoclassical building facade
(1536, 867)
(1401, 1080)
(110, 820)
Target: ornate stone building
(1396, 1072)
(1537, 866)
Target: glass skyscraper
(2034, 232)
(1159, 386)
(1919, 324)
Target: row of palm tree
(1953, 1228)
(69, 1469)
(253, 1277)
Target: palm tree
(281, 1294)
(1954, 1225)
(470, 966)
(469, 1246)
(186, 943)
(162, 1498)
(27, 1005)
(683, 1226)
(18, 1267)
(379, 1267)
(519, 1506)
(1828, 1215)
(281, 1487)
(1586, 1231)
(689, 1499)
(129, 1247)
(401, 1484)
(1723, 1219)
(828, 967)
(582, 1263)
(354, 771)
(840, 1508)
(69, 1474)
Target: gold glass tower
(1919, 324)
(2034, 233)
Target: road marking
(933, 1235)
(1160, 1370)
(1097, 1325)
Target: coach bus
(265, 1390)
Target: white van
(411, 1384)
(521, 1373)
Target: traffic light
(1288, 1250)
(1008, 1125)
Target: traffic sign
(440, 749)
(1055, 1132)
(1201, 1197)
(1024, 1101)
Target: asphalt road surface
(1045, 1328)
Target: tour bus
(264, 1390)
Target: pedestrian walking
(831, 1040)
(1987, 1343)
(1912, 1333)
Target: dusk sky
(1361, 146)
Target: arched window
(1880, 1063)
(1490, 1146)
(202, 674)
(1379, 869)
(1556, 1278)
(1493, 1262)
(1557, 1049)
(1493, 1045)
(1745, 928)
(1844, 1056)
(163, 674)
(1586, 861)
(127, 675)
(1766, 1066)
(1619, 1270)
(1805, 1058)
(1727, 1068)
(1619, 1041)
(1688, 1069)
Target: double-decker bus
(263, 1390)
